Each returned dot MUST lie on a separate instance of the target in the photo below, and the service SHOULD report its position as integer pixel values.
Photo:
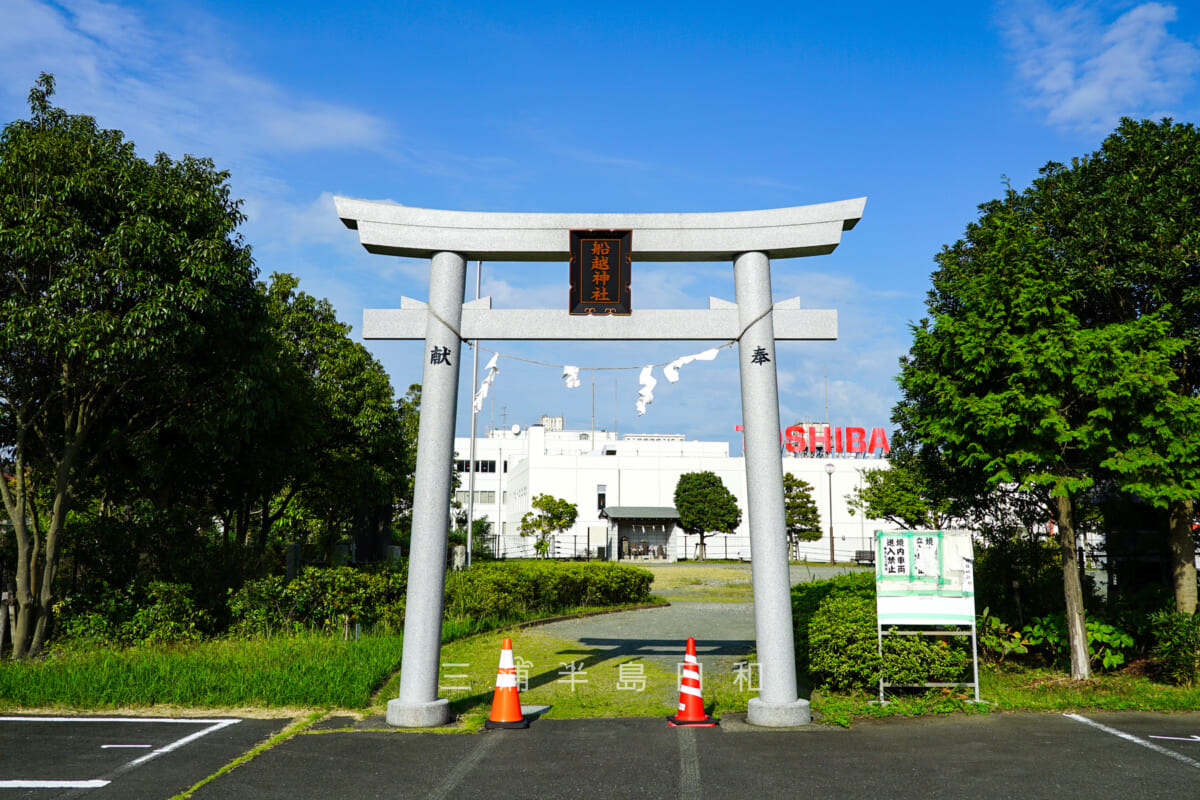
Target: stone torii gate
(750, 239)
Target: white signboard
(924, 578)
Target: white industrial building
(624, 489)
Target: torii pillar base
(785, 715)
(418, 715)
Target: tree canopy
(705, 506)
(162, 415)
(549, 515)
(121, 282)
(800, 512)
(1018, 377)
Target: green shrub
(843, 643)
(318, 599)
(98, 618)
(838, 641)
(1133, 611)
(1036, 568)
(170, 616)
(163, 613)
(997, 640)
(508, 590)
(1176, 645)
(917, 659)
(1108, 645)
(337, 598)
(807, 598)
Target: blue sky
(924, 108)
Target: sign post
(926, 579)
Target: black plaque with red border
(600, 268)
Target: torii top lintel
(393, 229)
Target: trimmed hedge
(807, 598)
(339, 597)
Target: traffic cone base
(707, 722)
(691, 706)
(506, 701)
(522, 723)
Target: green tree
(1005, 377)
(120, 281)
(800, 512)
(1124, 225)
(356, 460)
(550, 515)
(902, 494)
(705, 506)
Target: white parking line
(1129, 737)
(212, 725)
(119, 746)
(96, 784)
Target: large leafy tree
(549, 516)
(121, 282)
(801, 516)
(1124, 225)
(705, 506)
(1008, 379)
(355, 459)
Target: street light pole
(829, 468)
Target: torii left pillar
(749, 239)
(418, 705)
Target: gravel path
(724, 632)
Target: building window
(464, 465)
(463, 497)
(601, 495)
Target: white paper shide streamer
(486, 383)
(672, 370)
(571, 376)
(646, 392)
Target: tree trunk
(27, 553)
(1183, 555)
(1072, 589)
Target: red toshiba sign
(811, 438)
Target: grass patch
(699, 583)
(1023, 689)
(1049, 690)
(304, 671)
(651, 690)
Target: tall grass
(303, 671)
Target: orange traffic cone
(506, 702)
(691, 706)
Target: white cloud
(1087, 71)
(168, 88)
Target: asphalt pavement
(1131, 756)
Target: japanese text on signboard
(600, 268)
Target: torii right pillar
(778, 704)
